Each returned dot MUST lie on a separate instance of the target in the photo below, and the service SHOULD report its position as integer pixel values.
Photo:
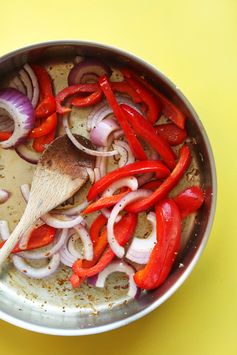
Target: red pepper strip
(171, 133)
(125, 88)
(46, 107)
(139, 167)
(96, 227)
(153, 105)
(145, 129)
(166, 186)
(71, 90)
(40, 237)
(123, 231)
(75, 280)
(164, 252)
(89, 100)
(103, 202)
(5, 135)
(189, 200)
(45, 128)
(133, 142)
(167, 107)
(40, 143)
(151, 185)
(45, 82)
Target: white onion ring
(53, 221)
(82, 147)
(91, 174)
(125, 151)
(4, 230)
(49, 250)
(35, 84)
(72, 211)
(36, 273)
(27, 82)
(140, 249)
(16, 83)
(127, 199)
(129, 181)
(118, 266)
(97, 174)
(86, 241)
(4, 196)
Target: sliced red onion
(35, 84)
(118, 266)
(66, 257)
(72, 211)
(130, 197)
(125, 151)
(27, 154)
(27, 82)
(53, 221)
(20, 110)
(86, 241)
(88, 70)
(4, 196)
(16, 83)
(80, 146)
(36, 273)
(49, 250)
(102, 110)
(77, 254)
(4, 230)
(99, 135)
(129, 181)
(140, 249)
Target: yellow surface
(195, 44)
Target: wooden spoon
(60, 172)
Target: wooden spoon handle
(23, 226)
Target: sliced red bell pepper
(153, 105)
(171, 133)
(123, 231)
(44, 80)
(39, 144)
(167, 107)
(76, 280)
(48, 125)
(133, 142)
(125, 88)
(89, 100)
(96, 227)
(166, 186)
(46, 107)
(139, 167)
(145, 129)
(167, 246)
(40, 237)
(72, 90)
(189, 200)
(103, 202)
(151, 185)
(5, 135)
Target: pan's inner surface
(52, 303)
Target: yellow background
(195, 44)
